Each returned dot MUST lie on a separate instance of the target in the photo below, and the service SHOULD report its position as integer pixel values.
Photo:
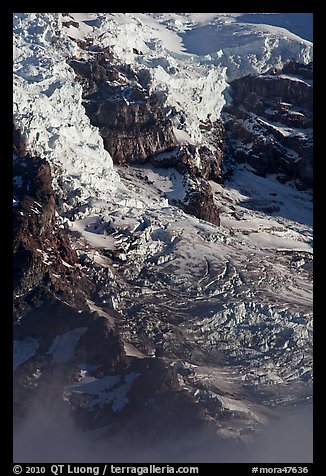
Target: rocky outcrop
(248, 90)
(199, 200)
(200, 203)
(197, 161)
(130, 119)
(269, 123)
(134, 128)
(304, 71)
(69, 23)
(44, 262)
(72, 344)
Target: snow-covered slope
(218, 315)
(48, 99)
(191, 60)
(48, 110)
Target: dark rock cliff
(269, 123)
(130, 119)
(271, 87)
(44, 262)
(134, 128)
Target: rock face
(44, 262)
(197, 161)
(134, 128)
(197, 165)
(303, 70)
(269, 124)
(200, 203)
(130, 119)
(251, 89)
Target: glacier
(227, 308)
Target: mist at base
(49, 434)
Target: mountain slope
(168, 289)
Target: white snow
(284, 130)
(309, 82)
(83, 29)
(294, 205)
(67, 265)
(83, 17)
(63, 346)
(106, 390)
(23, 350)
(233, 405)
(269, 241)
(47, 99)
(94, 386)
(170, 39)
(225, 282)
(194, 79)
(47, 108)
(118, 396)
(165, 180)
(93, 238)
(182, 136)
(132, 351)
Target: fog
(49, 434)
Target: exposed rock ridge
(135, 129)
(130, 119)
(44, 263)
(269, 123)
